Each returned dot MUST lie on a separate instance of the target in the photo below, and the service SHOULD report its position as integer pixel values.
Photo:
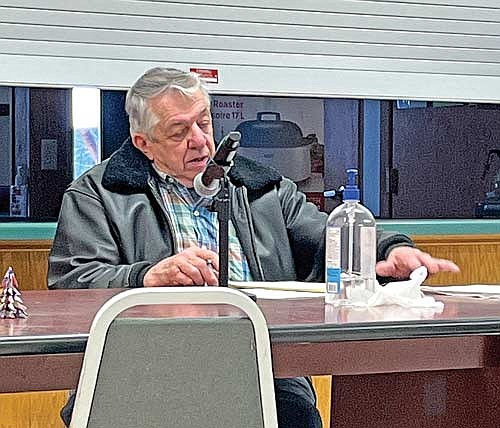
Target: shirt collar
(162, 174)
(168, 178)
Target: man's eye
(179, 134)
(204, 125)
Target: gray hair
(152, 83)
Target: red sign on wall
(209, 75)
(317, 199)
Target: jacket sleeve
(306, 227)
(85, 253)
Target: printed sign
(210, 75)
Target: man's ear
(141, 142)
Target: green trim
(27, 231)
(32, 231)
(442, 227)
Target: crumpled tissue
(402, 293)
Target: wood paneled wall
(477, 255)
(29, 260)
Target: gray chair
(177, 372)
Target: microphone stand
(221, 204)
(215, 180)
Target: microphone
(207, 183)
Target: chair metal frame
(173, 295)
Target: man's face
(182, 142)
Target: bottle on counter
(19, 194)
(350, 247)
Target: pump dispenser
(350, 247)
(351, 191)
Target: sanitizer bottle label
(333, 268)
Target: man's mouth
(199, 160)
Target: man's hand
(193, 266)
(404, 260)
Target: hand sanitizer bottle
(350, 247)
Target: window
(440, 160)
(86, 115)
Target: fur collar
(128, 171)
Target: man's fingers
(404, 260)
(447, 266)
(189, 268)
(209, 273)
(435, 265)
(429, 262)
(210, 257)
(201, 271)
(385, 268)
(192, 266)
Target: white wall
(427, 49)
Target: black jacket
(112, 227)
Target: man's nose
(197, 137)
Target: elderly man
(135, 220)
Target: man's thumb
(385, 268)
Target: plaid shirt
(194, 225)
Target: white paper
(484, 291)
(263, 293)
(310, 287)
(402, 293)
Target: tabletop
(308, 337)
(66, 315)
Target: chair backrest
(177, 372)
